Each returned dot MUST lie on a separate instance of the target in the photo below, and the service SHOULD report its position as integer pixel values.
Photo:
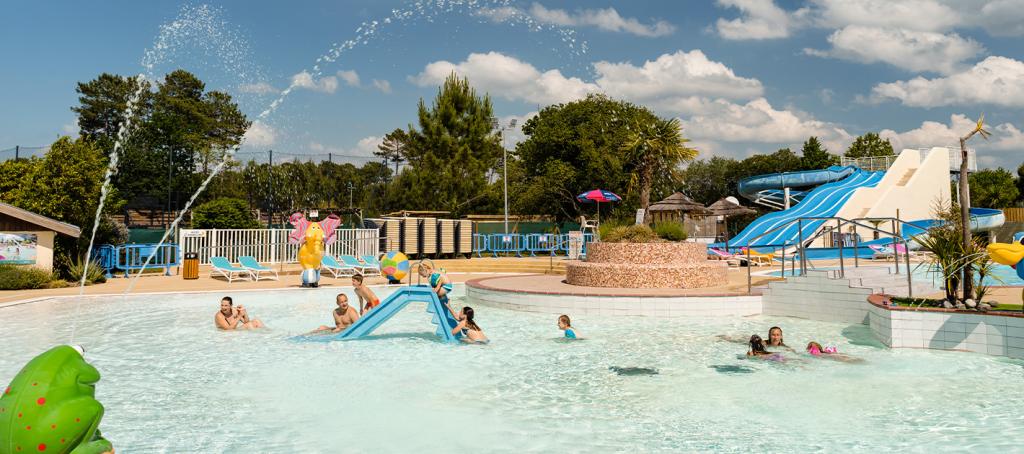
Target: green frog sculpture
(50, 407)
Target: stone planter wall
(646, 265)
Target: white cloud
(757, 121)
(1005, 136)
(260, 88)
(673, 81)
(500, 14)
(382, 85)
(350, 77)
(919, 15)
(305, 80)
(70, 129)
(515, 135)
(259, 134)
(605, 19)
(760, 19)
(995, 80)
(508, 77)
(916, 51)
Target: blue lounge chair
(221, 265)
(363, 268)
(331, 264)
(249, 262)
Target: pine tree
(815, 156)
(451, 152)
(869, 144)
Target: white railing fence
(270, 245)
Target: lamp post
(504, 161)
(350, 187)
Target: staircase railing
(801, 244)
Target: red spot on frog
(53, 426)
(41, 400)
(78, 419)
(42, 446)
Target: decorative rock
(961, 306)
(984, 307)
(947, 305)
(646, 265)
(970, 303)
(993, 304)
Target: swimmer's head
(563, 322)
(225, 304)
(814, 348)
(342, 300)
(357, 280)
(775, 336)
(757, 345)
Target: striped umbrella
(598, 195)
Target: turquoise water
(172, 383)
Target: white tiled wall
(816, 297)
(989, 334)
(612, 305)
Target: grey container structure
(428, 236)
(464, 238)
(446, 237)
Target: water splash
(427, 10)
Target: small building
(26, 238)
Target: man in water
(228, 318)
(344, 316)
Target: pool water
(1001, 275)
(172, 383)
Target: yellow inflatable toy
(1009, 254)
(312, 238)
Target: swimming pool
(1002, 275)
(172, 383)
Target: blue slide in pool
(823, 201)
(391, 306)
(768, 189)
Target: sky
(743, 76)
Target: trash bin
(190, 267)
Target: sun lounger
(362, 268)
(730, 259)
(372, 261)
(331, 264)
(223, 267)
(249, 262)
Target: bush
(631, 234)
(76, 269)
(21, 277)
(608, 226)
(224, 213)
(670, 231)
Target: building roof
(40, 220)
(725, 207)
(677, 202)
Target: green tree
(815, 156)
(451, 152)
(993, 188)
(102, 106)
(1020, 184)
(707, 181)
(783, 160)
(392, 148)
(654, 148)
(574, 147)
(224, 214)
(868, 145)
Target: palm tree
(654, 148)
(965, 200)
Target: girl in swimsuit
(757, 350)
(470, 331)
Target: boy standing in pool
(344, 316)
(367, 299)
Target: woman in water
(775, 338)
(470, 331)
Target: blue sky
(744, 76)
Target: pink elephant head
(301, 225)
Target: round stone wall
(646, 265)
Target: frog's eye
(80, 349)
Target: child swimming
(758, 350)
(815, 349)
(438, 281)
(565, 325)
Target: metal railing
(271, 245)
(801, 244)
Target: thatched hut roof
(725, 207)
(678, 202)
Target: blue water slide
(769, 187)
(982, 220)
(823, 201)
(391, 306)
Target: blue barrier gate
(133, 256)
(513, 242)
(479, 244)
(106, 257)
(542, 242)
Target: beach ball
(394, 265)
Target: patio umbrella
(598, 195)
(726, 208)
(678, 202)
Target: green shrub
(21, 277)
(77, 267)
(631, 234)
(608, 226)
(670, 231)
(226, 213)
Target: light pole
(350, 187)
(504, 161)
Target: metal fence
(270, 245)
